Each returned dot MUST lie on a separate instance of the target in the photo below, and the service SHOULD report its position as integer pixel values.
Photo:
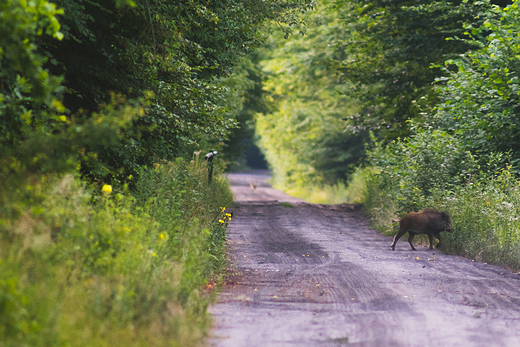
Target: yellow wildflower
(107, 188)
(220, 221)
(161, 236)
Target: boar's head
(446, 222)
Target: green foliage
(486, 220)
(175, 50)
(128, 270)
(246, 98)
(364, 66)
(56, 145)
(388, 49)
(165, 60)
(458, 160)
(37, 134)
(481, 97)
(23, 81)
(416, 168)
(304, 138)
(378, 204)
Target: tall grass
(485, 214)
(317, 194)
(110, 269)
(486, 217)
(351, 192)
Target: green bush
(485, 217)
(431, 170)
(484, 211)
(85, 269)
(414, 170)
(480, 96)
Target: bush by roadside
(79, 268)
(484, 204)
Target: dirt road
(313, 275)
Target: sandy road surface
(254, 186)
(318, 276)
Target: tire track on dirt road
(314, 275)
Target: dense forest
(111, 232)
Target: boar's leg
(410, 239)
(438, 235)
(397, 237)
(430, 237)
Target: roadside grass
(317, 194)
(485, 215)
(79, 268)
(351, 192)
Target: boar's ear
(445, 215)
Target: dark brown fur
(430, 222)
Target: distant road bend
(317, 275)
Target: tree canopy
(150, 71)
(379, 67)
(305, 136)
(392, 48)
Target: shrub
(431, 171)
(83, 268)
(485, 217)
(480, 96)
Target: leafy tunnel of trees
(369, 73)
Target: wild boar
(429, 222)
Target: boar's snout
(447, 226)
